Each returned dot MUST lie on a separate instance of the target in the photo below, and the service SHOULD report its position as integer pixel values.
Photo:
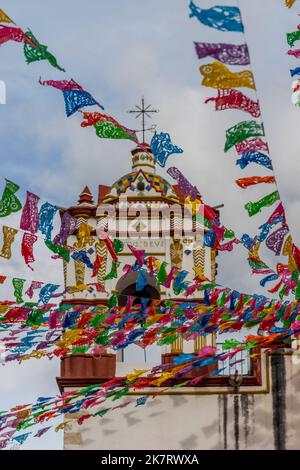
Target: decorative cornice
(87, 302)
(254, 380)
(82, 211)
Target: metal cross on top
(143, 111)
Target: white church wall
(196, 421)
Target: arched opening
(126, 286)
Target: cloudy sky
(119, 51)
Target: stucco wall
(187, 421)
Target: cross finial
(143, 111)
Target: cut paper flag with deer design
(234, 99)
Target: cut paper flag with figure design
(254, 207)
(234, 99)
(108, 130)
(22, 438)
(254, 157)
(142, 280)
(8, 33)
(246, 182)
(68, 225)
(287, 250)
(223, 18)
(4, 18)
(138, 254)
(278, 215)
(107, 127)
(294, 53)
(118, 246)
(296, 86)
(231, 54)
(18, 285)
(9, 202)
(162, 147)
(46, 293)
(109, 243)
(35, 51)
(217, 75)
(74, 95)
(275, 241)
(9, 234)
(252, 145)
(33, 286)
(76, 99)
(28, 241)
(45, 219)
(30, 214)
(59, 250)
(97, 264)
(179, 283)
(295, 71)
(83, 258)
(61, 84)
(186, 188)
(289, 3)
(113, 274)
(296, 92)
(242, 131)
(293, 37)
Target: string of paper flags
(161, 144)
(292, 38)
(248, 137)
(33, 218)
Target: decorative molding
(65, 268)
(87, 302)
(176, 254)
(177, 345)
(79, 272)
(199, 253)
(205, 387)
(101, 250)
(213, 264)
(82, 211)
(199, 342)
